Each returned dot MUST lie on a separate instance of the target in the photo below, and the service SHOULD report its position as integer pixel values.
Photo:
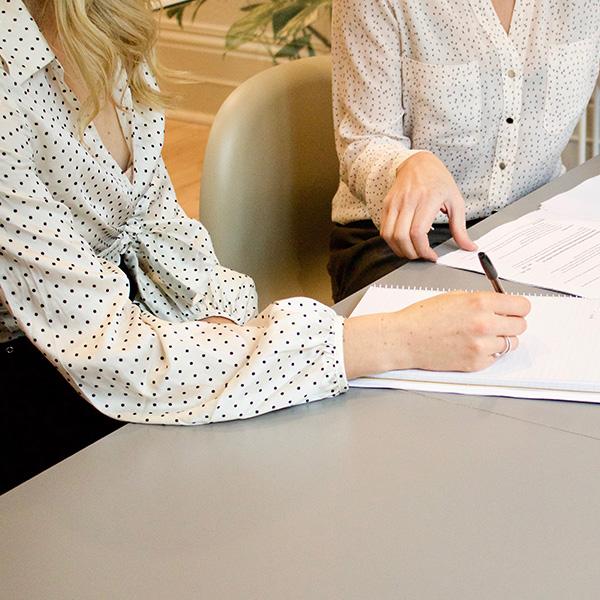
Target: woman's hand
(459, 331)
(422, 189)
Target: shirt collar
(23, 48)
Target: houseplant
(288, 29)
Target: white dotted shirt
(498, 109)
(68, 215)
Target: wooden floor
(183, 153)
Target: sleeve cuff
(338, 352)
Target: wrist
(376, 343)
(362, 354)
(415, 156)
(396, 342)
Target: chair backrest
(270, 172)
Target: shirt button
(9, 349)
(510, 120)
(502, 166)
(512, 73)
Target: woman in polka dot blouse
(110, 293)
(446, 112)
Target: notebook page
(559, 351)
(384, 382)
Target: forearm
(374, 344)
(367, 99)
(459, 331)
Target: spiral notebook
(558, 357)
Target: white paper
(558, 356)
(391, 383)
(582, 202)
(540, 249)
(556, 247)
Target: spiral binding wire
(415, 288)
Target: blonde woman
(109, 294)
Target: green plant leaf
(177, 13)
(282, 16)
(177, 10)
(295, 26)
(249, 7)
(285, 27)
(293, 49)
(251, 27)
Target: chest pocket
(442, 103)
(569, 84)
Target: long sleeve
(367, 97)
(74, 306)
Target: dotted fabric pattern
(68, 215)
(498, 109)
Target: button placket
(511, 72)
(508, 132)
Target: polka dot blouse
(498, 109)
(68, 216)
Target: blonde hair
(101, 37)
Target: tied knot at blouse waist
(141, 244)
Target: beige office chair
(269, 175)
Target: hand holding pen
(492, 275)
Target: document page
(541, 249)
(556, 247)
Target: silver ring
(507, 348)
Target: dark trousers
(358, 255)
(43, 419)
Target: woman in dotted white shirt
(446, 112)
(110, 293)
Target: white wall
(198, 49)
(220, 12)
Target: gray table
(373, 495)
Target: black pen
(490, 272)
